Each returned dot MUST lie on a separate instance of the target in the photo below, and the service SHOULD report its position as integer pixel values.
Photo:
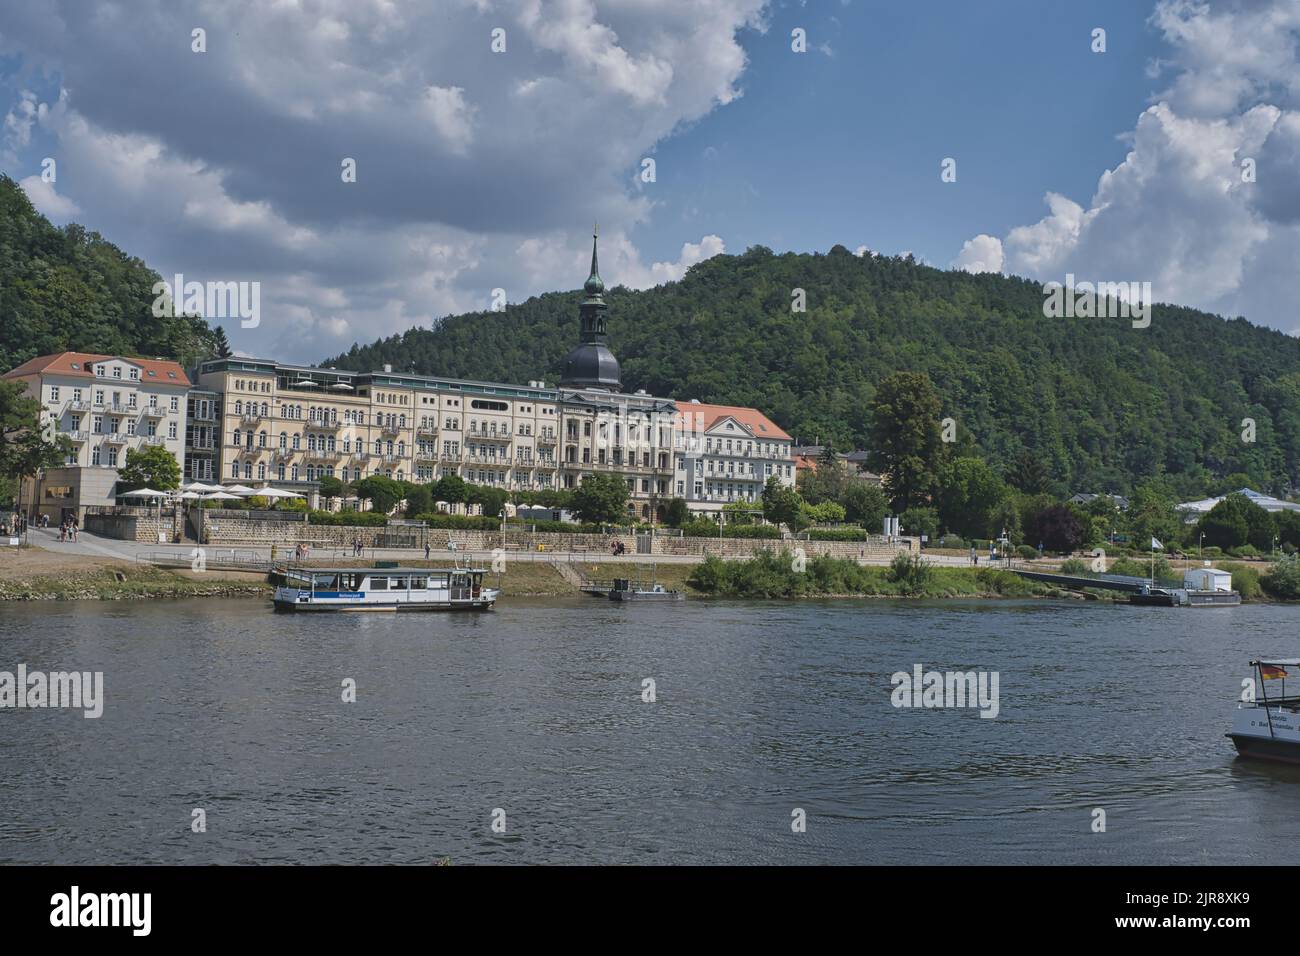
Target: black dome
(591, 365)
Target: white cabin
(1207, 579)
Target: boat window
(378, 583)
(399, 584)
(417, 584)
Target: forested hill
(1101, 404)
(72, 289)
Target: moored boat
(1267, 727)
(625, 590)
(384, 589)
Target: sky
(488, 137)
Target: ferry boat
(384, 589)
(1268, 728)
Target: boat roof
(296, 570)
(1279, 661)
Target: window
(54, 393)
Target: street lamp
(1199, 541)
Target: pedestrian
(427, 550)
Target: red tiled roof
(762, 426)
(80, 365)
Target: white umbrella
(276, 493)
(190, 496)
(240, 490)
(200, 486)
(220, 496)
(143, 493)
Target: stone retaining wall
(140, 527)
(231, 531)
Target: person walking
(427, 550)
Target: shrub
(951, 541)
(359, 519)
(1245, 551)
(1026, 552)
(1283, 580)
(461, 522)
(704, 528)
(1245, 580)
(911, 571)
(1075, 566)
(837, 534)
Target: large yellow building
(291, 425)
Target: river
(536, 709)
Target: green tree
(149, 467)
(906, 439)
(919, 520)
(24, 450)
(382, 492)
(451, 488)
(676, 513)
(419, 501)
(865, 503)
(220, 345)
(493, 500)
(1059, 528)
(331, 488)
(601, 499)
(968, 494)
(782, 504)
(1028, 474)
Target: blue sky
(846, 148)
(481, 170)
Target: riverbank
(34, 574)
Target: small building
(1207, 579)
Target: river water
(536, 709)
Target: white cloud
(981, 254)
(1178, 212)
(46, 198)
(470, 164)
(452, 117)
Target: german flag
(1272, 672)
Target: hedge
(837, 534)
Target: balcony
(115, 438)
(76, 408)
(427, 431)
(154, 441)
(78, 437)
(153, 411)
(390, 429)
(332, 426)
(250, 418)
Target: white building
(1192, 510)
(726, 453)
(106, 405)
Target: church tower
(591, 364)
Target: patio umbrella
(276, 493)
(143, 493)
(242, 490)
(220, 496)
(200, 486)
(190, 496)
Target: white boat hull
(297, 599)
(1267, 733)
